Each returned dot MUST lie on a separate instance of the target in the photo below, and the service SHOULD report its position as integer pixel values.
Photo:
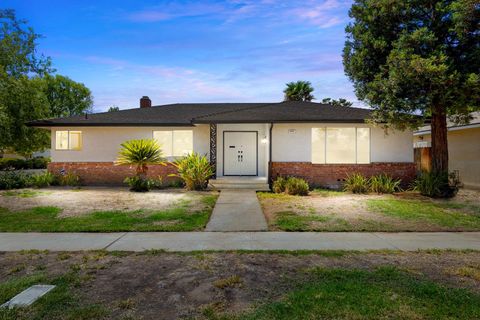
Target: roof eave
(105, 124)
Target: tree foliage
(18, 54)
(113, 109)
(416, 57)
(299, 91)
(67, 97)
(28, 91)
(337, 103)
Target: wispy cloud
(320, 13)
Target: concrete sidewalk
(237, 210)
(191, 241)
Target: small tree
(411, 58)
(140, 153)
(337, 103)
(113, 109)
(67, 97)
(299, 91)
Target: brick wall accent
(332, 175)
(106, 173)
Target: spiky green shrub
(435, 185)
(140, 153)
(296, 186)
(138, 184)
(290, 185)
(69, 179)
(278, 185)
(195, 171)
(383, 183)
(356, 183)
(43, 180)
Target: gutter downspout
(270, 138)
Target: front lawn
(184, 214)
(385, 293)
(325, 210)
(241, 285)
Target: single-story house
(463, 150)
(319, 142)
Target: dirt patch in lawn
(154, 285)
(75, 202)
(339, 211)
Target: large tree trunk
(439, 141)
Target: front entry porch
(239, 154)
(238, 182)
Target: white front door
(240, 153)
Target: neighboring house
(318, 142)
(463, 150)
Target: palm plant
(140, 153)
(299, 91)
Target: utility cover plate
(28, 296)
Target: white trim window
(175, 143)
(342, 145)
(68, 140)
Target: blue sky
(193, 51)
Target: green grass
(443, 214)
(60, 303)
(45, 219)
(24, 193)
(290, 221)
(386, 293)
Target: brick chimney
(145, 102)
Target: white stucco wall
(297, 147)
(101, 144)
(263, 132)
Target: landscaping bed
(104, 210)
(324, 210)
(242, 285)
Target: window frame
(172, 143)
(325, 145)
(69, 148)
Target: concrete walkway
(191, 241)
(237, 210)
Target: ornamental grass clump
(356, 183)
(140, 153)
(383, 183)
(195, 170)
(435, 185)
(291, 186)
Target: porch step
(251, 183)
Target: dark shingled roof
(188, 114)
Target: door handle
(238, 158)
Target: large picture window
(68, 140)
(340, 145)
(176, 143)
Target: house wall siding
(333, 175)
(297, 147)
(101, 144)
